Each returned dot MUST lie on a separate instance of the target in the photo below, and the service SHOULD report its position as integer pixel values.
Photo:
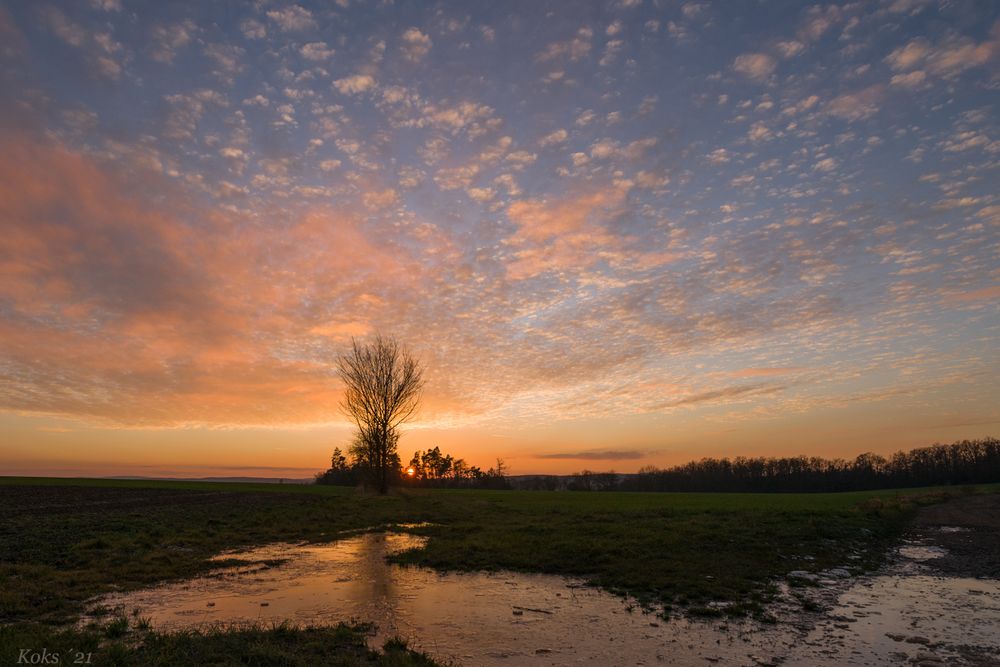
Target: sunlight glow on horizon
(633, 233)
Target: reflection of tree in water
(373, 583)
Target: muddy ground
(973, 550)
(935, 602)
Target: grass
(63, 541)
(121, 644)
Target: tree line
(963, 462)
(382, 384)
(430, 468)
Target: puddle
(472, 618)
(920, 552)
(908, 617)
(528, 619)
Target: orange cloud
(573, 234)
(767, 372)
(983, 294)
(141, 310)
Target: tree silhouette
(338, 462)
(382, 391)
(964, 462)
(341, 472)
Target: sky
(616, 234)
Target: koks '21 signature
(29, 656)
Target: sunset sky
(615, 233)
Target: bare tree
(382, 390)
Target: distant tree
(341, 473)
(382, 391)
(588, 480)
(338, 461)
(433, 468)
(496, 478)
(964, 462)
(500, 470)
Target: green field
(63, 541)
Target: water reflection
(908, 615)
(473, 618)
(524, 619)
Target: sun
(410, 472)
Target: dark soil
(974, 549)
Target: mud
(968, 528)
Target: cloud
(553, 138)
(125, 305)
(563, 235)
(717, 395)
(916, 79)
(611, 50)
(858, 105)
(759, 132)
(186, 111)
(964, 140)
(228, 59)
(64, 28)
(102, 53)
(416, 44)
(718, 156)
(767, 372)
(520, 158)
(757, 66)
(253, 29)
(790, 48)
(481, 194)
(166, 41)
(603, 149)
(910, 55)
(984, 294)
(651, 180)
(292, 18)
(908, 6)
(573, 49)
(380, 199)
(456, 178)
(354, 84)
(470, 117)
(606, 455)
(818, 20)
(197, 258)
(342, 330)
(949, 57)
(317, 51)
(826, 164)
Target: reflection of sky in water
(509, 618)
(888, 611)
(477, 618)
(920, 552)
